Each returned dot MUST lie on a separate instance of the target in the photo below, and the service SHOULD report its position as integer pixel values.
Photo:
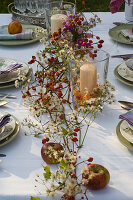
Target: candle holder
(88, 73)
(55, 13)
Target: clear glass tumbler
(56, 12)
(87, 73)
(20, 5)
(129, 10)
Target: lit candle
(56, 22)
(88, 78)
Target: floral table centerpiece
(49, 94)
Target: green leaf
(34, 198)
(65, 132)
(37, 135)
(63, 164)
(47, 173)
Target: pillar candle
(88, 77)
(56, 22)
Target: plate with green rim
(115, 33)
(126, 82)
(12, 83)
(36, 38)
(123, 140)
(13, 134)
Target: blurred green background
(91, 5)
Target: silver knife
(119, 23)
(126, 104)
(123, 56)
(2, 155)
(8, 96)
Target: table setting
(66, 104)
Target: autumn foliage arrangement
(63, 133)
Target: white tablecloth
(18, 170)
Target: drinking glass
(31, 5)
(99, 70)
(40, 4)
(57, 7)
(129, 10)
(20, 5)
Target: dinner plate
(37, 37)
(12, 83)
(126, 131)
(122, 71)
(11, 76)
(126, 82)
(8, 128)
(123, 140)
(115, 33)
(130, 126)
(12, 135)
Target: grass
(91, 5)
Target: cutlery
(119, 23)
(2, 155)
(3, 102)
(8, 96)
(126, 105)
(123, 56)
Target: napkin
(115, 5)
(27, 34)
(127, 33)
(4, 120)
(11, 68)
(128, 117)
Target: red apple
(14, 27)
(95, 176)
(51, 152)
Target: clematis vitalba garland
(58, 120)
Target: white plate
(12, 76)
(130, 126)
(126, 131)
(8, 128)
(122, 71)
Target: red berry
(30, 62)
(75, 134)
(44, 140)
(74, 139)
(97, 37)
(52, 41)
(53, 51)
(52, 59)
(90, 159)
(101, 41)
(95, 51)
(43, 54)
(84, 44)
(23, 96)
(61, 117)
(73, 175)
(33, 88)
(47, 139)
(59, 93)
(99, 45)
(83, 2)
(33, 57)
(76, 129)
(79, 23)
(63, 100)
(57, 74)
